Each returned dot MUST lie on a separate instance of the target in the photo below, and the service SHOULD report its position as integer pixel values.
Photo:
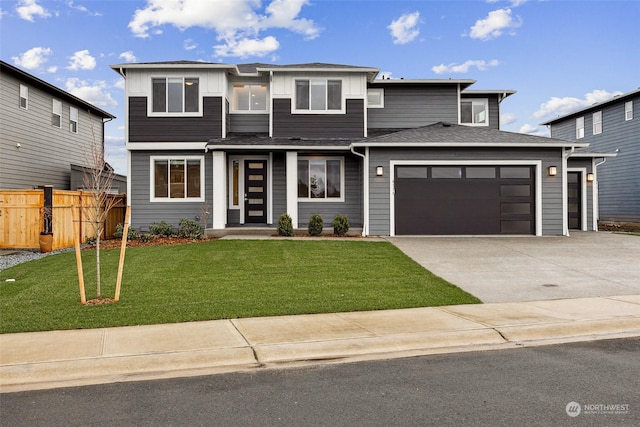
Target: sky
(559, 56)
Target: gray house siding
(414, 106)
(618, 178)
(494, 108)
(46, 152)
(352, 206)
(145, 212)
(279, 180)
(249, 123)
(586, 165)
(379, 189)
(143, 128)
(349, 125)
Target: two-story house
(610, 126)
(398, 157)
(46, 134)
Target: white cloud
(507, 119)
(128, 56)
(27, 9)
(95, 93)
(81, 8)
(119, 84)
(464, 68)
(556, 107)
(81, 60)
(189, 44)
(494, 25)
(247, 47)
(237, 22)
(533, 130)
(404, 29)
(33, 58)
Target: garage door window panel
(446, 173)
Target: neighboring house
(249, 142)
(612, 126)
(43, 132)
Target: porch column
(219, 190)
(292, 186)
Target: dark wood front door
(255, 191)
(574, 200)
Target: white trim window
(249, 98)
(318, 96)
(321, 179)
(580, 128)
(474, 112)
(174, 179)
(24, 97)
(73, 120)
(628, 110)
(375, 98)
(175, 96)
(597, 122)
(56, 113)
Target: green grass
(219, 279)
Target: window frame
(234, 108)
(169, 199)
(324, 199)
(167, 113)
(380, 91)
(628, 111)
(73, 111)
(579, 127)
(484, 101)
(56, 112)
(326, 110)
(597, 122)
(23, 94)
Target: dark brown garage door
(432, 200)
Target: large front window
(249, 98)
(179, 178)
(320, 179)
(474, 112)
(175, 95)
(318, 95)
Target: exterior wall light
(590, 177)
(553, 171)
(379, 171)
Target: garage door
(431, 200)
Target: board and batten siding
(144, 212)
(618, 178)
(379, 187)
(408, 106)
(46, 152)
(349, 125)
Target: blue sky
(559, 55)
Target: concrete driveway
(508, 269)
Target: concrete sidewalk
(41, 360)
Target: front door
(574, 200)
(255, 191)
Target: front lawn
(219, 279)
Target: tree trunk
(98, 265)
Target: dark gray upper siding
(379, 190)
(494, 107)
(174, 129)
(349, 125)
(618, 178)
(279, 181)
(409, 106)
(249, 123)
(145, 212)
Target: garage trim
(538, 181)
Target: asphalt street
(587, 383)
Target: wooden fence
(22, 217)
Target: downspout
(365, 183)
(271, 104)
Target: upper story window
(249, 98)
(177, 178)
(176, 95)
(474, 112)
(628, 110)
(56, 113)
(318, 95)
(375, 98)
(580, 127)
(73, 120)
(24, 97)
(597, 122)
(321, 179)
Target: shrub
(161, 229)
(285, 225)
(340, 224)
(132, 234)
(315, 225)
(190, 228)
